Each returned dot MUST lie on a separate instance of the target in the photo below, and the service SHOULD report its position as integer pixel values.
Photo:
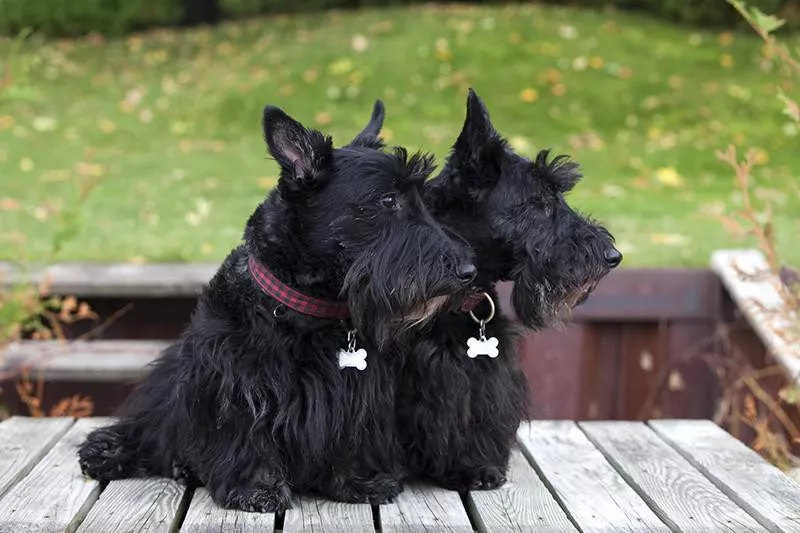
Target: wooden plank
(204, 515)
(754, 288)
(640, 359)
(321, 515)
(424, 508)
(681, 496)
(118, 279)
(594, 495)
(757, 486)
(644, 295)
(598, 371)
(111, 360)
(23, 442)
(551, 361)
(523, 504)
(141, 505)
(55, 496)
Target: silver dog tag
(352, 357)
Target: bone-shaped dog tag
(356, 359)
(476, 347)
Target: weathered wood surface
(23, 443)
(117, 279)
(107, 360)
(54, 496)
(141, 505)
(764, 491)
(566, 477)
(754, 288)
(425, 508)
(595, 495)
(316, 515)
(682, 497)
(204, 516)
(523, 504)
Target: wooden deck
(669, 475)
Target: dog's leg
(244, 474)
(376, 489)
(115, 452)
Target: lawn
(169, 121)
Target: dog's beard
(400, 282)
(427, 311)
(542, 301)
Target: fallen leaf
(669, 239)
(725, 38)
(567, 32)
(267, 182)
(612, 191)
(9, 204)
(529, 95)
(559, 89)
(726, 60)
(359, 43)
(323, 119)
(43, 124)
(669, 176)
(107, 126)
(26, 164)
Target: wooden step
(116, 279)
(85, 361)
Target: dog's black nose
(612, 256)
(466, 272)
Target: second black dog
(461, 392)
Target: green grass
(170, 121)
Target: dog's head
(513, 212)
(356, 218)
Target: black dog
(258, 398)
(461, 394)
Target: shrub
(116, 17)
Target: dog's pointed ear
(304, 155)
(370, 136)
(478, 152)
(478, 128)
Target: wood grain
(140, 505)
(765, 492)
(118, 279)
(319, 515)
(523, 504)
(55, 496)
(594, 495)
(681, 496)
(205, 516)
(424, 508)
(23, 442)
(116, 360)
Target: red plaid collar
(308, 305)
(472, 302)
(296, 301)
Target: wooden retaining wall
(629, 353)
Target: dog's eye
(389, 201)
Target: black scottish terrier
(270, 390)
(461, 392)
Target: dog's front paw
(479, 479)
(375, 491)
(259, 499)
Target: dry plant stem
(780, 50)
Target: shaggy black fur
(250, 401)
(458, 416)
